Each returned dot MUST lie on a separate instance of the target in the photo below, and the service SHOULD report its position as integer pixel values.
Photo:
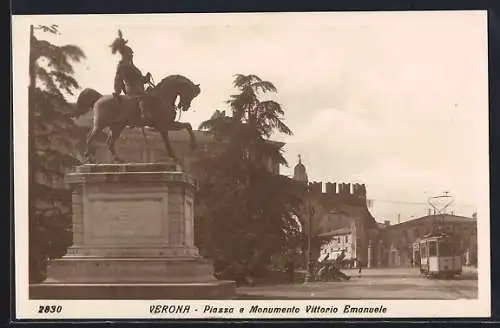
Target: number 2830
(49, 309)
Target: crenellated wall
(351, 193)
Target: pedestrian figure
(358, 265)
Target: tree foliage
(250, 211)
(54, 144)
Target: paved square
(399, 283)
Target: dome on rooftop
(300, 172)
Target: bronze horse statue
(117, 112)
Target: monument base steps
(134, 291)
(128, 270)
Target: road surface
(400, 283)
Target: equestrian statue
(154, 106)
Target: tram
(440, 256)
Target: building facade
(395, 242)
(337, 241)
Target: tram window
(432, 248)
(423, 251)
(445, 249)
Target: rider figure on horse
(129, 78)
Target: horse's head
(173, 87)
(187, 95)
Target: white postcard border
(134, 309)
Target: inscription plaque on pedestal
(126, 219)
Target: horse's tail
(86, 101)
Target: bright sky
(397, 101)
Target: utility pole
(310, 215)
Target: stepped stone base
(130, 270)
(132, 278)
(164, 291)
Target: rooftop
(442, 217)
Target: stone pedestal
(133, 238)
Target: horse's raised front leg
(176, 126)
(168, 147)
(113, 136)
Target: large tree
(248, 209)
(54, 140)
